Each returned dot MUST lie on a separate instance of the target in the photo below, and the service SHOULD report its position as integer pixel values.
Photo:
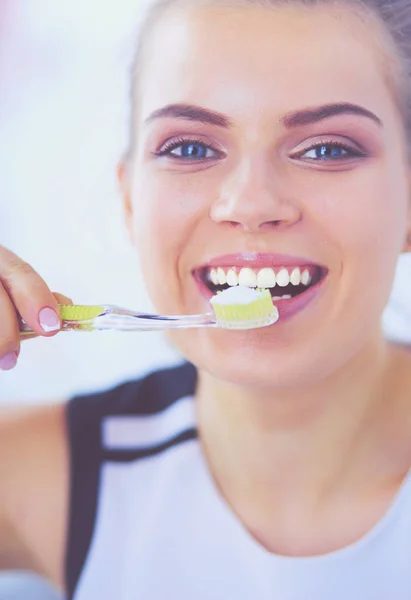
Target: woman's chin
(245, 358)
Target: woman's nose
(254, 200)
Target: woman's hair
(394, 15)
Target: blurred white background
(64, 71)
(64, 77)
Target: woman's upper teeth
(262, 278)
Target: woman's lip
(259, 260)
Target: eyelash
(351, 152)
(171, 145)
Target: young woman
(270, 142)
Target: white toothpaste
(236, 295)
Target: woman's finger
(29, 293)
(9, 332)
(62, 299)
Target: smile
(284, 283)
(293, 282)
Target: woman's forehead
(235, 60)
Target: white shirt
(162, 531)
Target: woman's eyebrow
(313, 115)
(190, 112)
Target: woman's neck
(268, 447)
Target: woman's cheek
(362, 212)
(370, 226)
(164, 223)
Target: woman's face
(269, 139)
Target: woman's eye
(330, 152)
(190, 151)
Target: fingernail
(49, 320)
(8, 362)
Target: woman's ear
(123, 177)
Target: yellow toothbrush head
(80, 313)
(241, 307)
(79, 317)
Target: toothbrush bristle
(258, 312)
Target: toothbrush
(235, 308)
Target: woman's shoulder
(44, 448)
(149, 394)
(34, 469)
(120, 427)
(124, 412)
(123, 415)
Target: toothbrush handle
(149, 322)
(120, 319)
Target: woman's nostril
(273, 223)
(256, 226)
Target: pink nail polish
(49, 320)
(8, 362)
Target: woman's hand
(23, 291)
